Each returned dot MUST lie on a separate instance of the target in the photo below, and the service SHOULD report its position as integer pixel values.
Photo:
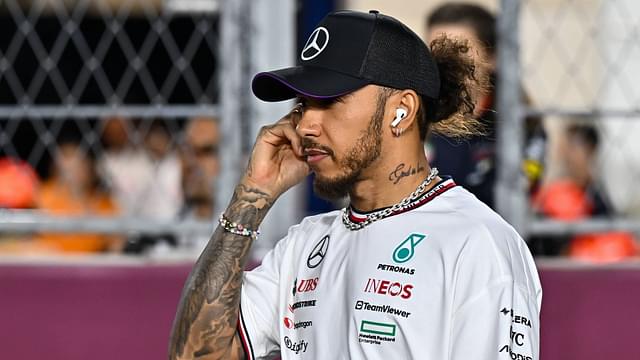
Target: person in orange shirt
(73, 189)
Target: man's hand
(277, 162)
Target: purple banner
(106, 312)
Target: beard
(365, 151)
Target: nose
(309, 123)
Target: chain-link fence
(577, 62)
(103, 102)
(124, 79)
(113, 123)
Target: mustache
(310, 144)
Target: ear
(409, 101)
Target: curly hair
(460, 84)
(451, 114)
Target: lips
(315, 155)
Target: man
(415, 267)
(200, 167)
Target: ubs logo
(305, 285)
(318, 252)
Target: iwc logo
(316, 43)
(318, 252)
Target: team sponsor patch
(506, 349)
(406, 249)
(304, 285)
(316, 43)
(290, 324)
(301, 304)
(389, 288)
(373, 332)
(396, 269)
(387, 309)
(515, 318)
(318, 252)
(296, 346)
(514, 350)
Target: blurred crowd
(572, 194)
(164, 176)
(142, 169)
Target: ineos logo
(386, 287)
(318, 253)
(316, 43)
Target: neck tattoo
(401, 171)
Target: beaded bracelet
(237, 229)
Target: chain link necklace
(381, 214)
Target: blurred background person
(144, 174)
(472, 163)
(161, 198)
(121, 162)
(200, 168)
(577, 195)
(579, 154)
(574, 194)
(74, 189)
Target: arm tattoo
(205, 324)
(400, 172)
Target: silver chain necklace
(381, 214)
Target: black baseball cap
(351, 49)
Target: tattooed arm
(208, 310)
(205, 324)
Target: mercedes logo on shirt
(315, 44)
(318, 253)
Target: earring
(397, 131)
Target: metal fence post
(511, 199)
(234, 15)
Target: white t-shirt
(448, 279)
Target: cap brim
(313, 82)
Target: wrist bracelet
(238, 229)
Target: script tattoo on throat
(402, 171)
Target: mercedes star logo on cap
(318, 253)
(318, 40)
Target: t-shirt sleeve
(502, 322)
(497, 299)
(257, 322)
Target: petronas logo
(405, 251)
